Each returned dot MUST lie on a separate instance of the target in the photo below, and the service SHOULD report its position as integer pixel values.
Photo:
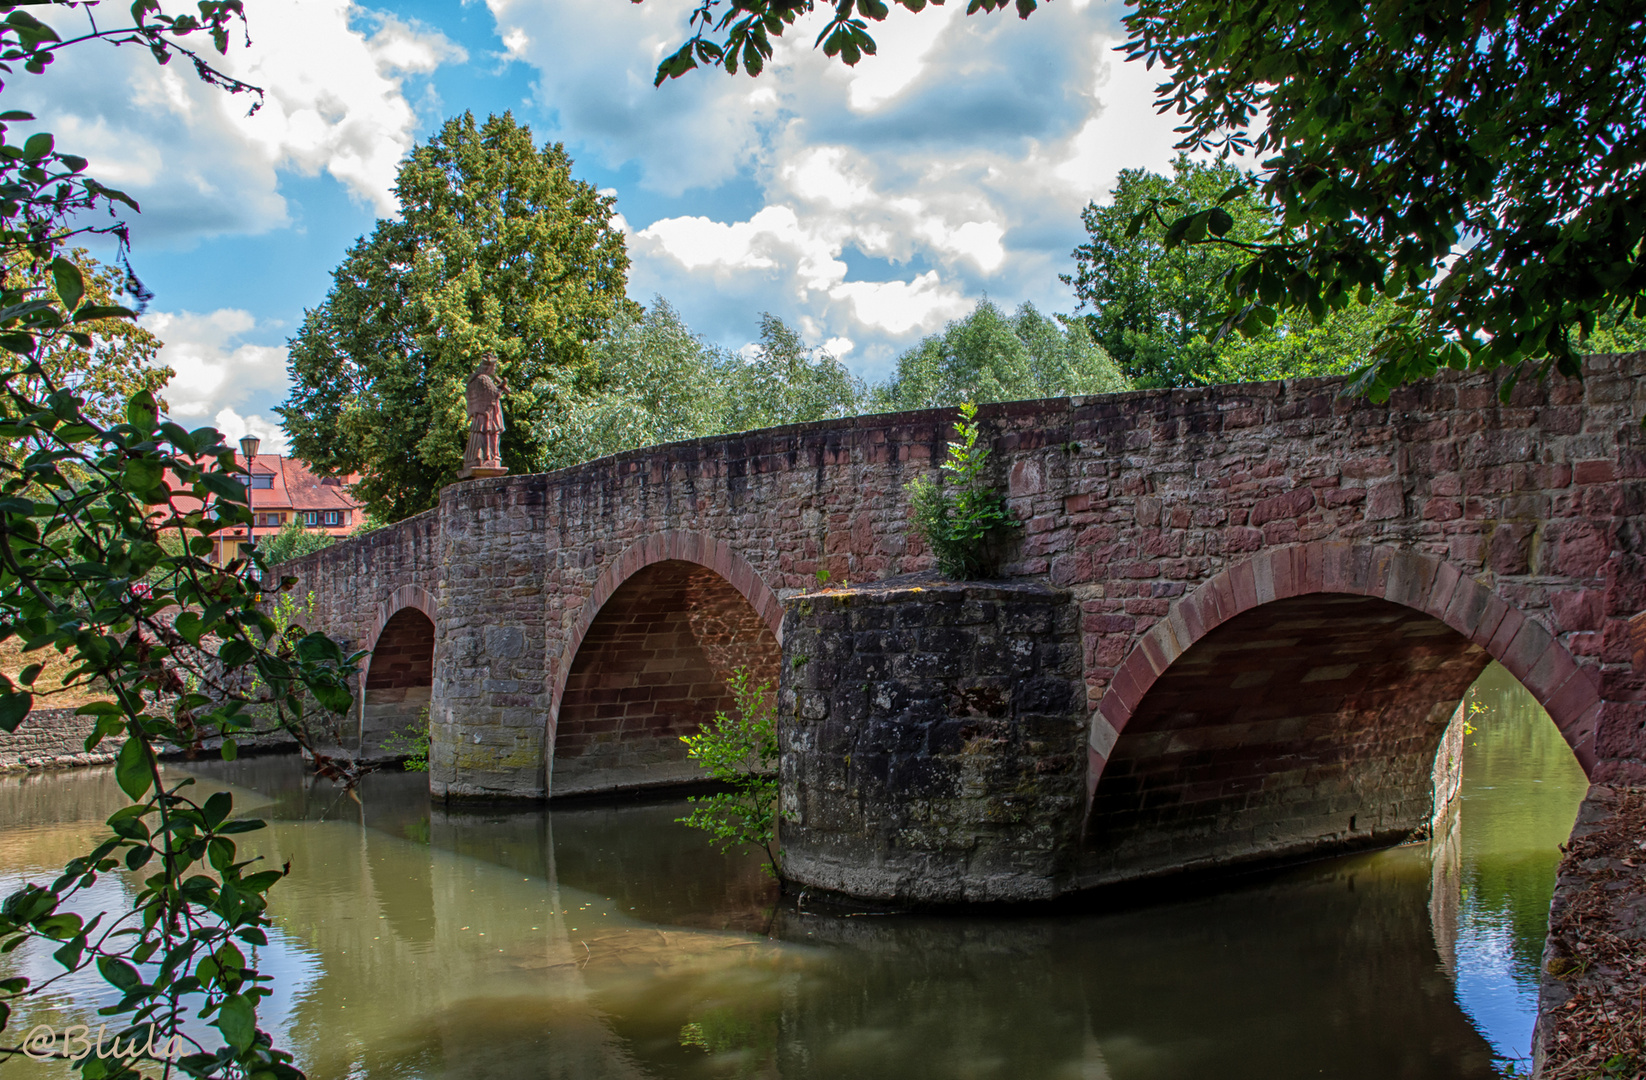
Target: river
(608, 941)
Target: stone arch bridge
(1234, 623)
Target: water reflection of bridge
(488, 944)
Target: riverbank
(1592, 1016)
(56, 739)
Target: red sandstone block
(1550, 673)
(1386, 501)
(1578, 609)
(1245, 586)
(1594, 471)
(1572, 699)
(1288, 505)
(1522, 652)
(1444, 588)
(1158, 650)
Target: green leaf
(217, 808)
(142, 412)
(14, 706)
(121, 975)
(94, 312)
(131, 768)
(333, 697)
(143, 475)
(37, 146)
(237, 1020)
(66, 279)
(188, 624)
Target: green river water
(611, 942)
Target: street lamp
(248, 446)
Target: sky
(867, 207)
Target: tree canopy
(498, 248)
(992, 356)
(1150, 303)
(116, 358)
(1482, 165)
(653, 381)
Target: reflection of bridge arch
(1305, 685)
(647, 661)
(400, 670)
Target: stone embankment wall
(932, 741)
(54, 739)
(1592, 1005)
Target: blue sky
(867, 207)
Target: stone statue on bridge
(484, 455)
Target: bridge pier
(932, 738)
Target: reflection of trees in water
(1521, 789)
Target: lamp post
(248, 446)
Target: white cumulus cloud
(892, 196)
(215, 368)
(333, 74)
(271, 439)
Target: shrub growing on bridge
(960, 516)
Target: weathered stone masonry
(1398, 547)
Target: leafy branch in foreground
(745, 29)
(45, 195)
(959, 516)
(1479, 165)
(185, 652)
(107, 521)
(740, 752)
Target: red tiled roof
(293, 488)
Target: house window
(262, 480)
(332, 517)
(311, 517)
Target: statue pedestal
(479, 472)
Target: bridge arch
(399, 675)
(646, 660)
(1374, 646)
(406, 596)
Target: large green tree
(1150, 302)
(1480, 162)
(992, 356)
(497, 249)
(115, 359)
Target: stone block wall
(932, 740)
(399, 676)
(1151, 508)
(489, 703)
(54, 738)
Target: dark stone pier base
(933, 739)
